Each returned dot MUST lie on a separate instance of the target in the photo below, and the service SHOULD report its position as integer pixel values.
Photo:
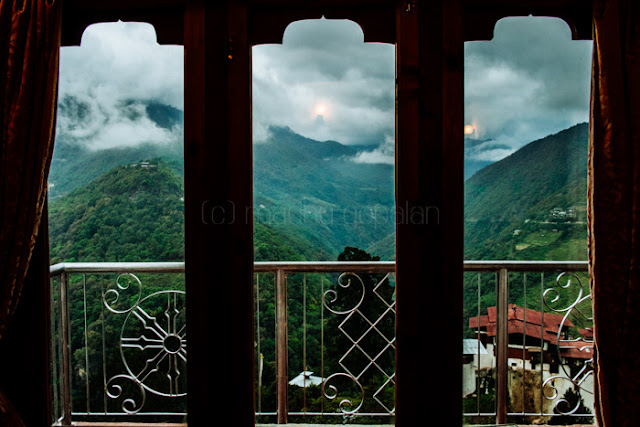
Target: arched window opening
(116, 195)
(526, 140)
(323, 156)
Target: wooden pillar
(218, 217)
(429, 205)
(282, 348)
(502, 333)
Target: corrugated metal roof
(306, 379)
(550, 322)
(586, 333)
(576, 349)
(473, 346)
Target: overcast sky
(325, 83)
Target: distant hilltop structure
(561, 213)
(144, 165)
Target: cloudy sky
(325, 83)
(530, 81)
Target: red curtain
(614, 210)
(29, 54)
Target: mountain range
(313, 198)
(532, 204)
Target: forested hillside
(135, 213)
(315, 190)
(131, 213)
(75, 163)
(309, 195)
(532, 204)
(311, 201)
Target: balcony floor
(121, 424)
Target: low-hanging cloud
(106, 82)
(325, 62)
(385, 153)
(123, 60)
(530, 81)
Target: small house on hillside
(470, 348)
(306, 379)
(542, 346)
(531, 333)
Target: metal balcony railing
(536, 333)
(324, 341)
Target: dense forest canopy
(312, 202)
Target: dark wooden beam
(429, 206)
(270, 17)
(218, 214)
(481, 16)
(166, 16)
(268, 23)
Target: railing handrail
(501, 268)
(117, 267)
(313, 266)
(526, 266)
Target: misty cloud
(325, 62)
(384, 154)
(488, 150)
(530, 81)
(105, 83)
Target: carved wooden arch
(377, 21)
(267, 21)
(480, 18)
(166, 16)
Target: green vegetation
(311, 202)
(128, 214)
(311, 194)
(74, 166)
(528, 206)
(311, 199)
(509, 205)
(344, 298)
(315, 191)
(134, 213)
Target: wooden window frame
(218, 169)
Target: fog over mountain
(530, 81)
(324, 83)
(314, 194)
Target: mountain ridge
(315, 193)
(509, 204)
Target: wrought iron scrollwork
(551, 392)
(153, 344)
(111, 297)
(114, 391)
(331, 295)
(345, 405)
(355, 311)
(163, 345)
(574, 315)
